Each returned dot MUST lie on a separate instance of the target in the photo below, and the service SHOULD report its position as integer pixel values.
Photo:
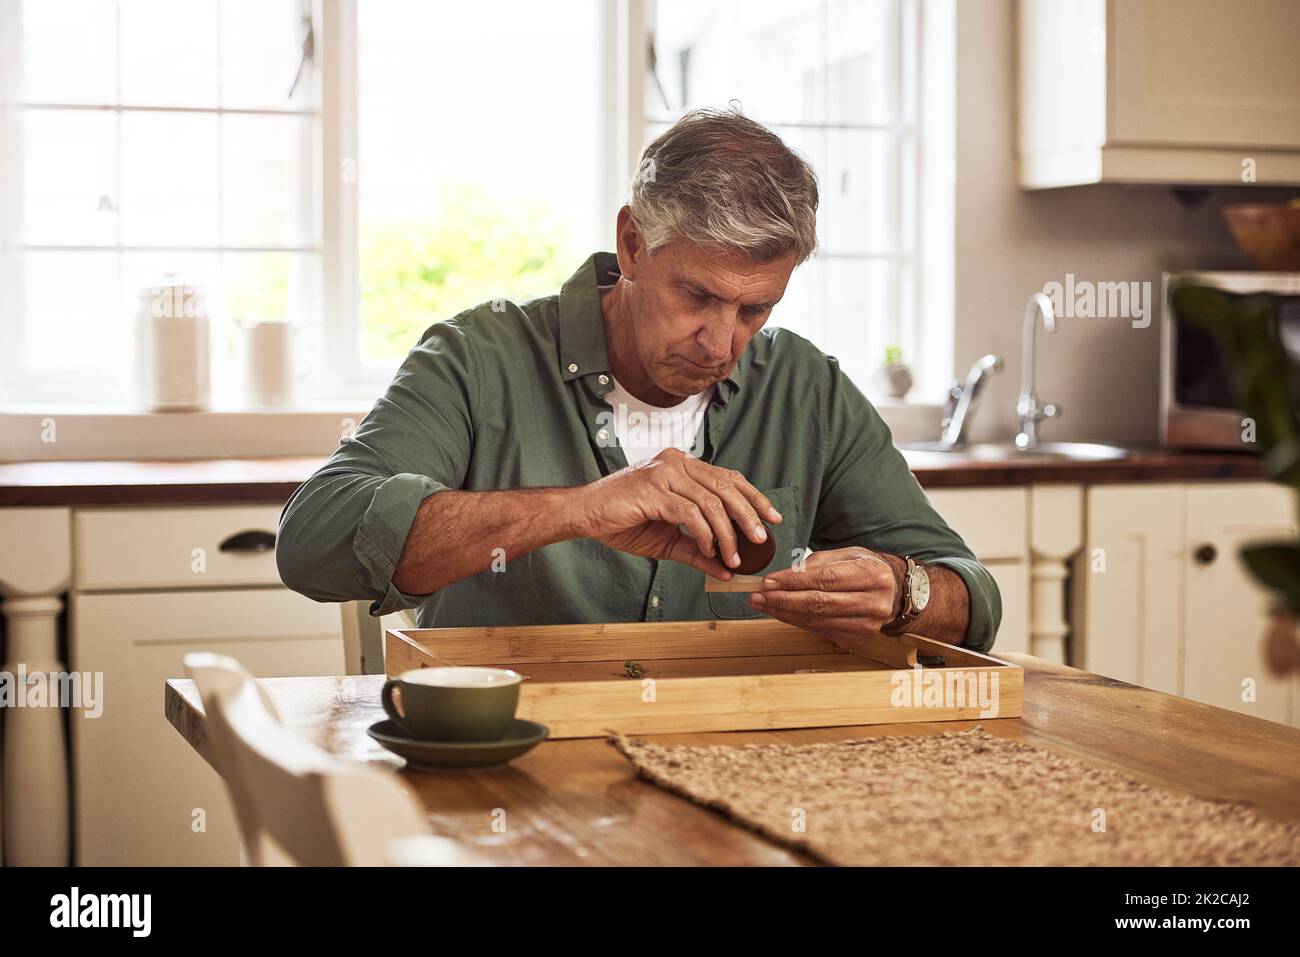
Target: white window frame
(620, 75)
(79, 383)
(925, 139)
(343, 371)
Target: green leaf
(1277, 566)
(1247, 331)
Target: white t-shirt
(645, 430)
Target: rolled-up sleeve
(342, 532)
(870, 498)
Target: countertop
(579, 802)
(217, 481)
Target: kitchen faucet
(1028, 408)
(961, 398)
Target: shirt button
(573, 367)
(602, 379)
(603, 435)
(654, 601)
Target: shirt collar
(582, 325)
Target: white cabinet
(1158, 91)
(1129, 608)
(149, 586)
(1226, 611)
(1164, 600)
(1025, 536)
(994, 524)
(138, 784)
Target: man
(582, 457)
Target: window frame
(88, 384)
(341, 372)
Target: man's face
(693, 312)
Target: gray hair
(722, 182)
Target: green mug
(453, 704)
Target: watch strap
(907, 610)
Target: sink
(1007, 451)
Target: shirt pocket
(788, 534)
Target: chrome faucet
(961, 400)
(1028, 408)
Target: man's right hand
(676, 507)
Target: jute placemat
(959, 797)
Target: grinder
(754, 556)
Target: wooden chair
(294, 802)
(363, 636)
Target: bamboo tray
(717, 676)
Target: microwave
(1197, 407)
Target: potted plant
(1247, 330)
(894, 378)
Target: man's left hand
(843, 593)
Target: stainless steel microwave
(1197, 408)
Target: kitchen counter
(579, 802)
(274, 479)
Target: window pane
(169, 179)
(850, 308)
(72, 318)
(264, 286)
(60, 33)
(859, 201)
(169, 52)
(800, 309)
(263, 158)
(468, 197)
(787, 61)
(70, 177)
(261, 44)
(861, 314)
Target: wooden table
(579, 802)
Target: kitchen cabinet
(994, 524)
(1026, 537)
(1226, 611)
(1163, 600)
(150, 586)
(1158, 91)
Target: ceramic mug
(453, 704)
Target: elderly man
(582, 457)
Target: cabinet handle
(250, 541)
(1206, 554)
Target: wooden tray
(716, 676)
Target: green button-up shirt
(510, 396)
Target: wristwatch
(916, 595)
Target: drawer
(993, 522)
(132, 548)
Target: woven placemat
(959, 797)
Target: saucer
(520, 738)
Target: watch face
(920, 588)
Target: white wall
(1103, 372)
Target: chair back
(294, 801)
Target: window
(837, 80)
(172, 146)
(364, 169)
(478, 126)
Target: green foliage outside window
(418, 271)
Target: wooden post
(34, 574)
